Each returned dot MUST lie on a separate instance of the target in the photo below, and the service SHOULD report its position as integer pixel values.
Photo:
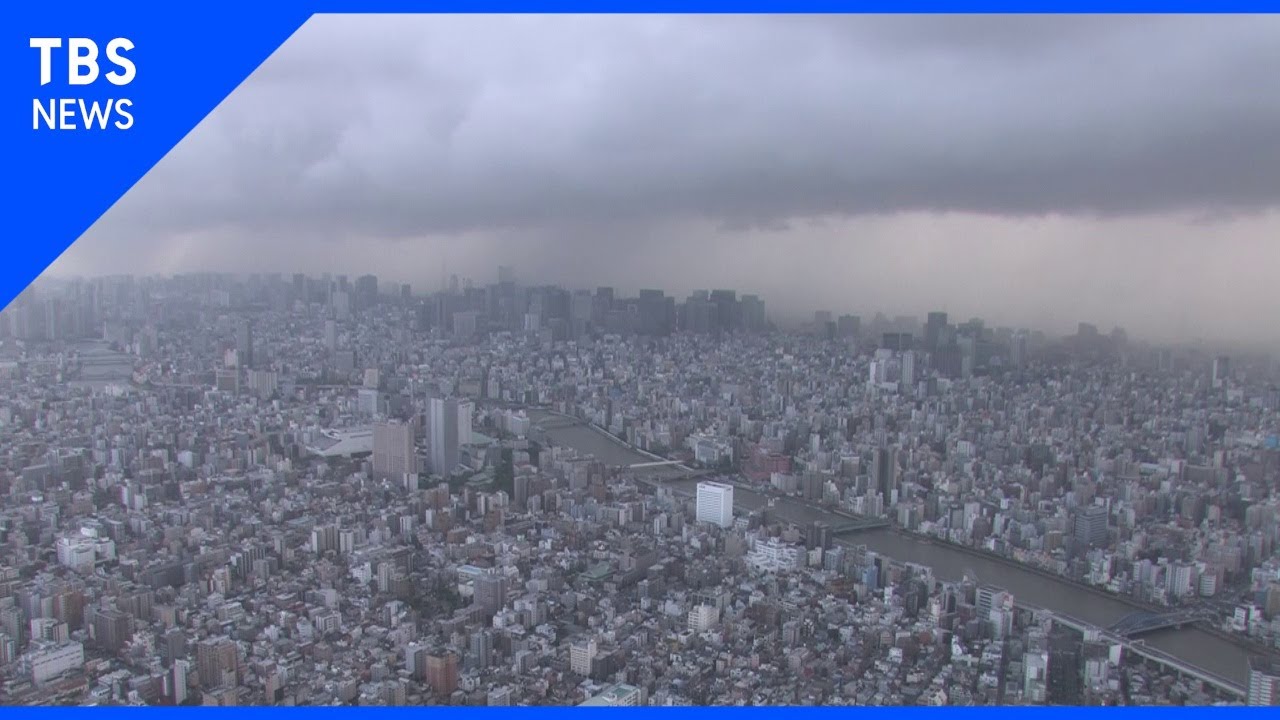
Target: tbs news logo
(83, 68)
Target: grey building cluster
(298, 490)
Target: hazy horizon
(1034, 171)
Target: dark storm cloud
(404, 127)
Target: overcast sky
(1033, 171)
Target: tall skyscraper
(653, 313)
(885, 464)
(1264, 681)
(727, 313)
(244, 345)
(934, 325)
(331, 335)
(466, 409)
(442, 435)
(715, 503)
(1221, 370)
(1018, 349)
(753, 317)
(848, 326)
(393, 451)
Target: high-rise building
(581, 654)
(1018, 349)
(653, 313)
(848, 326)
(393, 451)
(178, 681)
(366, 291)
(244, 345)
(896, 341)
(217, 659)
(482, 648)
(702, 618)
(715, 503)
(520, 491)
(331, 335)
(819, 535)
(1264, 681)
(699, 314)
(1064, 675)
(490, 592)
(753, 316)
(112, 629)
(442, 673)
(1091, 526)
(1221, 370)
(727, 312)
(442, 435)
(466, 410)
(934, 325)
(885, 465)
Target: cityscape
(299, 489)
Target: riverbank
(1048, 574)
(1241, 641)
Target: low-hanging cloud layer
(912, 161)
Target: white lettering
(88, 59)
(125, 64)
(46, 46)
(128, 117)
(39, 112)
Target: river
(1193, 645)
(101, 366)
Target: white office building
(49, 661)
(581, 655)
(703, 617)
(715, 503)
(774, 556)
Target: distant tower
(934, 325)
(331, 336)
(244, 344)
(1018, 349)
(1221, 370)
(443, 434)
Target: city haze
(1033, 171)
